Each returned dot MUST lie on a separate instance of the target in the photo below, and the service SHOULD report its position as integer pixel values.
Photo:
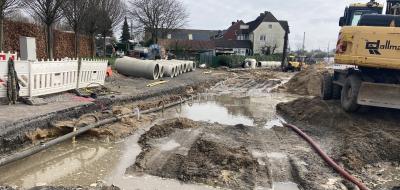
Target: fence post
(79, 73)
(31, 79)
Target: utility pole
(304, 42)
(329, 43)
(131, 30)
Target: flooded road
(86, 162)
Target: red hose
(327, 159)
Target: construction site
(166, 123)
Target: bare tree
(157, 17)
(6, 7)
(111, 13)
(90, 23)
(48, 11)
(75, 12)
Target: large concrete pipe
(194, 67)
(176, 70)
(162, 71)
(269, 64)
(185, 66)
(138, 68)
(169, 69)
(180, 65)
(190, 66)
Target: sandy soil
(364, 142)
(307, 82)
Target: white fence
(48, 77)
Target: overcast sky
(318, 18)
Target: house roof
(265, 17)
(183, 34)
(194, 45)
(231, 33)
(285, 25)
(233, 44)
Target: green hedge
(235, 61)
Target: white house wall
(276, 35)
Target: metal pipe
(326, 158)
(44, 146)
(138, 68)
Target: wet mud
(366, 143)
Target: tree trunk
(76, 44)
(93, 45)
(49, 31)
(1, 34)
(105, 45)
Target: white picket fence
(38, 78)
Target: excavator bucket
(379, 95)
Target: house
(190, 49)
(267, 34)
(233, 47)
(188, 34)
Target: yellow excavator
(294, 63)
(369, 41)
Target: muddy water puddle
(257, 111)
(87, 162)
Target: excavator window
(356, 18)
(358, 14)
(379, 20)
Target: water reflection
(231, 110)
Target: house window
(190, 36)
(263, 38)
(169, 36)
(270, 26)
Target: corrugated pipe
(326, 158)
(44, 146)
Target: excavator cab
(355, 11)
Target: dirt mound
(308, 81)
(208, 161)
(370, 137)
(205, 158)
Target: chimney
(233, 23)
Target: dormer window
(244, 27)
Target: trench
(85, 162)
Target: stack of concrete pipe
(269, 64)
(153, 69)
(128, 66)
